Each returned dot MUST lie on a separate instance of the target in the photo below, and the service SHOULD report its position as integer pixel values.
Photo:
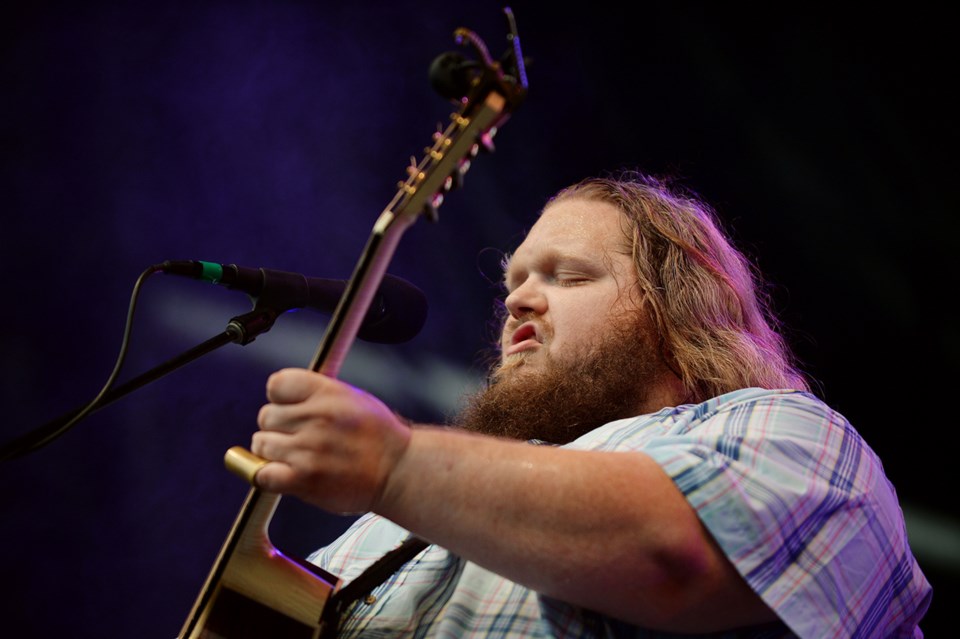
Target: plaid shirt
(792, 494)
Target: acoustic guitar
(254, 590)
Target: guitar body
(253, 590)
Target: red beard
(562, 399)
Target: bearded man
(687, 482)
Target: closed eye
(572, 281)
(572, 276)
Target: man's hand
(330, 444)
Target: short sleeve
(800, 505)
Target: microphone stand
(242, 329)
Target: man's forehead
(571, 228)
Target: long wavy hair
(707, 301)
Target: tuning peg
(486, 140)
(433, 153)
(412, 168)
(455, 179)
(432, 206)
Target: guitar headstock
(486, 92)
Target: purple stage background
(273, 134)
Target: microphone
(397, 311)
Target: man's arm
(610, 532)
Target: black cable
(15, 452)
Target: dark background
(272, 135)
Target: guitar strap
(375, 575)
(365, 583)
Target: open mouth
(523, 333)
(524, 338)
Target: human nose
(526, 298)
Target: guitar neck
(442, 168)
(253, 590)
